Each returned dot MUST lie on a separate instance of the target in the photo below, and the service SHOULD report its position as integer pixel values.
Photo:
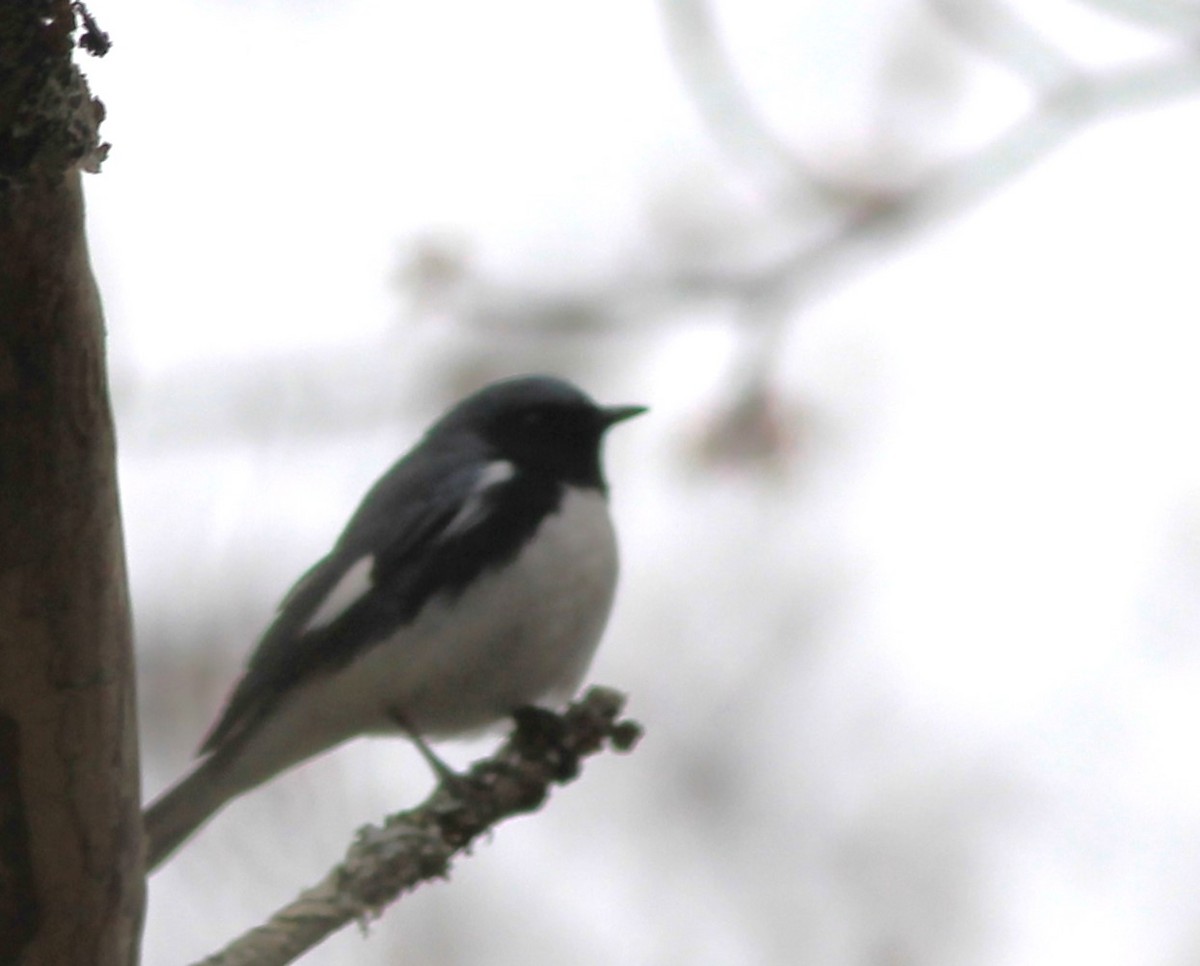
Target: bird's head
(540, 424)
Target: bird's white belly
(516, 636)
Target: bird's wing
(361, 590)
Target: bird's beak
(611, 415)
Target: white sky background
(932, 698)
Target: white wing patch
(354, 583)
(495, 473)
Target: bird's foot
(445, 775)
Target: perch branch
(418, 845)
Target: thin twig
(772, 297)
(997, 31)
(418, 845)
(727, 111)
(1179, 17)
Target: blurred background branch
(1177, 17)
(873, 213)
(829, 222)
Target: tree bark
(71, 884)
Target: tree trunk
(71, 883)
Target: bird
(473, 581)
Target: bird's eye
(533, 418)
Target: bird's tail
(171, 818)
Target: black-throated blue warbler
(474, 579)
